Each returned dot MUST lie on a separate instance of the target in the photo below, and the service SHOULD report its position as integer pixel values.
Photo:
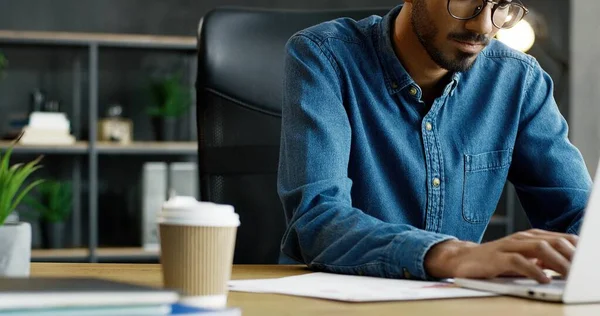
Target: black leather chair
(239, 85)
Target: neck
(413, 56)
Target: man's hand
(524, 253)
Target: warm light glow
(520, 37)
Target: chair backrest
(239, 93)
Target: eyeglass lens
(506, 15)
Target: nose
(482, 23)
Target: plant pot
(165, 128)
(15, 249)
(53, 235)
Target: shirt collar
(396, 76)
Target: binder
(183, 179)
(154, 194)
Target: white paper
(354, 288)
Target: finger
(511, 274)
(573, 239)
(562, 245)
(542, 250)
(518, 264)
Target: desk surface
(268, 304)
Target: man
(399, 134)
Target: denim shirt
(370, 178)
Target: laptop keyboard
(558, 284)
(554, 286)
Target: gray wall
(180, 17)
(138, 16)
(585, 80)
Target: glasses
(505, 13)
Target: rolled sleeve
(409, 251)
(548, 171)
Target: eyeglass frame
(484, 4)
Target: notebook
(149, 310)
(69, 293)
(186, 310)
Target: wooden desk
(268, 304)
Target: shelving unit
(91, 149)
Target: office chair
(239, 95)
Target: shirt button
(428, 126)
(436, 182)
(412, 91)
(394, 85)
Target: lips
(469, 47)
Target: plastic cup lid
(185, 210)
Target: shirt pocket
(484, 179)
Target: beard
(426, 32)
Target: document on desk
(354, 288)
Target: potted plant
(171, 100)
(3, 63)
(15, 238)
(53, 204)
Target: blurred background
(142, 101)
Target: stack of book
(47, 128)
(93, 297)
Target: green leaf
(5, 185)
(54, 200)
(24, 192)
(5, 160)
(170, 97)
(35, 204)
(3, 63)
(19, 175)
(12, 179)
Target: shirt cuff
(574, 228)
(409, 250)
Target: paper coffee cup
(197, 244)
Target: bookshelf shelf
(80, 147)
(149, 148)
(102, 39)
(59, 254)
(104, 254)
(107, 148)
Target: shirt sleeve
(324, 230)
(548, 172)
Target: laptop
(583, 282)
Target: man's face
(452, 44)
